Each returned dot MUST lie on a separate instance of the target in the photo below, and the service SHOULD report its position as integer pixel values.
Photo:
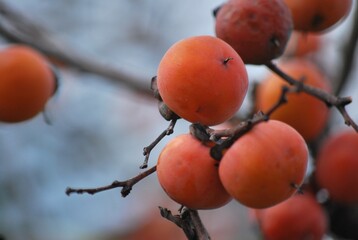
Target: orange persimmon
(202, 79)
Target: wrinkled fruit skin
(337, 166)
(202, 79)
(299, 217)
(265, 166)
(189, 175)
(318, 15)
(257, 29)
(307, 114)
(26, 83)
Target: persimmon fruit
(318, 15)
(303, 44)
(299, 217)
(265, 166)
(202, 79)
(26, 83)
(257, 29)
(337, 166)
(189, 175)
(307, 114)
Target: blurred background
(99, 127)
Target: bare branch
(329, 99)
(17, 28)
(125, 185)
(189, 221)
(147, 150)
(225, 138)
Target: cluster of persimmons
(203, 79)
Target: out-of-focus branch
(348, 53)
(18, 28)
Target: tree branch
(329, 99)
(189, 221)
(17, 28)
(125, 185)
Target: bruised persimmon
(26, 83)
(202, 79)
(317, 15)
(189, 175)
(337, 166)
(307, 114)
(257, 29)
(299, 217)
(265, 166)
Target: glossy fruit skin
(337, 166)
(257, 29)
(26, 83)
(265, 166)
(299, 217)
(317, 15)
(202, 79)
(307, 114)
(189, 175)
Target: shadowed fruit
(257, 29)
(317, 15)
(298, 218)
(337, 166)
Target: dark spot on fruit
(317, 20)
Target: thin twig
(125, 185)
(329, 99)
(225, 138)
(17, 28)
(147, 150)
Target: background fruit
(257, 29)
(189, 175)
(26, 83)
(299, 217)
(265, 166)
(317, 15)
(302, 44)
(305, 113)
(337, 166)
(202, 79)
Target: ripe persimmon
(317, 15)
(337, 166)
(189, 175)
(202, 79)
(257, 29)
(303, 44)
(299, 217)
(265, 166)
(26, 83)
(307, 114)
